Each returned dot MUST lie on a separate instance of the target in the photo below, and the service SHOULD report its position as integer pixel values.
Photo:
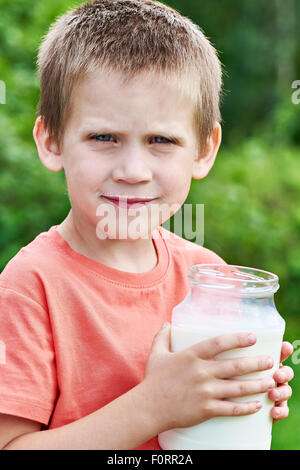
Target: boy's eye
(102, 137)
(163, 140)
(107, 138)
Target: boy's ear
(203, 163)
(48, 151)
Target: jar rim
(234, 278)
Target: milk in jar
(229, 299)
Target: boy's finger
(209, 348)
(286, 350)
(241, 388)
(231, 408)
(227, 368)
(283, 374)
(280, 411)
(161, 341)
(280, 393)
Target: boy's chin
(125, 225)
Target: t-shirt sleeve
(28, 384)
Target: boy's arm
(125, 423)
(13, 426)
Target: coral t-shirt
(76, 334)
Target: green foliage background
(251, 196)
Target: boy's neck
(134, 256)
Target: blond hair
(127, 36)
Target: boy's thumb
(161, 341)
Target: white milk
(206, 313)
(228, 432)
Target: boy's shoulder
(192, 252)
(23, 273)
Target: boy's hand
(283, 391)
(187, 387)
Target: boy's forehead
(148, 91)
(183, 86)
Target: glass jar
(229, 299)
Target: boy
(129, 110)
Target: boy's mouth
(128, 202)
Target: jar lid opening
(234, 279)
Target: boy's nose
(132, 169)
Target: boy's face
(135, 141)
